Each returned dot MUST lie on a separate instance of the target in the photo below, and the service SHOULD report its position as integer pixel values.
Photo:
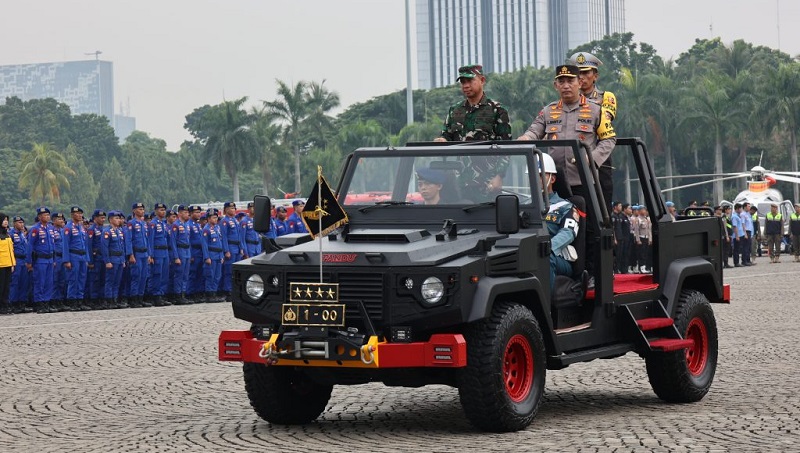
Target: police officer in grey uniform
(574, 117)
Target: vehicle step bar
(603, 352)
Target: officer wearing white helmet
(562, 224)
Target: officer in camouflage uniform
(589, 65)
(477, 118)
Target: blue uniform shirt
(95, 233)
(40, 244)
(159, 238)
(181, 239)
(229, 228)
(251, 238)
(281, 227)
(112, 245)
(748, 222)
(736, 223)
(214, 243)
(20, 246)
(75, 242)
(58, 244)
(138, 243)
(296, 224)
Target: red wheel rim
(518, 368)
(697, 354)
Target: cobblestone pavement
(148, 380)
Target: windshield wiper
(479, 205)
(381, 204)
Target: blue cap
(183, 207)
(229, 204)
(431, 175)
(98, 213)
(115, 214)
(670, 204)
(136, 205)
(43, 210)
(635, 207)
(18, 218)
(160, 205)
(280, 208)
(171, 212)
(239, 215)
(75, 209)
(195, 207)
(296, 202)
(58, 215)
(212, 211)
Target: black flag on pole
(322, 213)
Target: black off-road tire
(685, 376)
(502, 386)
(284, 395)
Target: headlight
(432, 290)
(254, 287)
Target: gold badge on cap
(564, 70)
(581, 59)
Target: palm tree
(318, 123)
(709, 107)
(291, 108)
(780, 108)
(268, 134)
(44, 171)
(231, 143)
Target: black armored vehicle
(411, 293)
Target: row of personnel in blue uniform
(66, 265)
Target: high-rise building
(506, 35)
(85, 86)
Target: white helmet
(548, 163)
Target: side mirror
(262, 206)
(507, 214)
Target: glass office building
(506, 35)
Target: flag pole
(319, 198)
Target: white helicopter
(759, 192)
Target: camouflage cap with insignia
(585, 61)
(566, 70)
(469, 71)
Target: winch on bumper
(442, 350)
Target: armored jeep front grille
(353, 287)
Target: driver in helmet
(562, 224)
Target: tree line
(716, 108)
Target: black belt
(233, 242)
(139, 249)
(95, 251)
(251, 242)
(183, 246)
(42, 255)
(78, 252)
(161, 247)
(114, 253)
(59, 253)
(20, 257)
(197, 246)
(214, 249)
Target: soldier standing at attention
(195, 285)
(113, 248)
(96, 268)
(234, 251)
(59, 273)
(42, 253)
(773, 229)
(214, 246)
(76, 258)
(141, 257)
(251, 238)
(589, 66)
(183, 255)
(574, 117)
(21, 277)
(158, 237)
(281, 225)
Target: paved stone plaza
(148, 380)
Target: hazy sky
(171, 56)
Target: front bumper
(441, 351)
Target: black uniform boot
(122, 302)
(134, 302)
(30, 307)
(182, 300)
(42, 307)
(83, 304)
(146, 301)
(5, 309)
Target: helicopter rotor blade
(701, 175)
(702, 182)
(784, 178)
(791, 173)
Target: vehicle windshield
(427, 179)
